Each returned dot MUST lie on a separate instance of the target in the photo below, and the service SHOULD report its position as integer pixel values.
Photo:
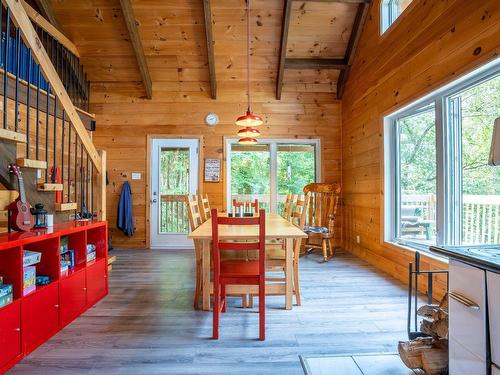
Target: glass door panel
(296, 167)
(251, 174)
(174, 186)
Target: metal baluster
(18, 70)
(87, 94)
(62, 148)
(82, 182)
(6, 68)
(71, 80)
(87, 181)
(76, 169)
(37, 131)
(55, 140)
(69, 162)
(81, 86)
(28, 106)
(47, 133)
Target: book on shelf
(6, 299)
(5, 289)
(29, 279)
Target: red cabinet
(10, 333)
(96, 281)
(73, 296)
(40, 316)
(32, 319)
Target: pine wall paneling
(431, 43)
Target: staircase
(45, 127)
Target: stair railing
(41, 79)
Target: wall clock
(211, 119)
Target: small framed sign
(212, 170)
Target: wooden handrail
(48, 27)
(31, 39)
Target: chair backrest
(194, 214)
(218, 244)
(323, 203)
(287, 209)
(204, 204)
(299, 213)
(254, 204)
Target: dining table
(277, 228)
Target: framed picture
(212, 170)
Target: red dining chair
(235, 271)
(254, 204)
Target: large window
(389, 11)
(270, 170)
(440, 188)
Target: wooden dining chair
(254, 204)
(238, 272)
(287, 209)
(195, 220)
(321, 217)
(204, 207)
(276, 256)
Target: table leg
(205, 260)
(288, 273)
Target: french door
(269, 170)
(174, 174)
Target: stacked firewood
(429, 354)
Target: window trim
(273, 150)
(447, 201)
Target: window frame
(273, 151)
(448, 159)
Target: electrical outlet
(38, 173)
(358, 239)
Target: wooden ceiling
(174, 40)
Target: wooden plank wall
(431, 43)
(173, 36)
(179, 110)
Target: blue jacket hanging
(125, 220)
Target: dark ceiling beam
(352, 45)
(285, 25)
(48, 13)
(207, 9)
(300, 63)
(128, 15)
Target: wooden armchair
(321, 217)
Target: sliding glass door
(270, 170)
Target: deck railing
(173, 214)
(480, 215)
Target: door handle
(464, 300)
(153, 201)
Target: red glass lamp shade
(249, 120)
(248, 133)
(247, 141)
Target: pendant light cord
(248, 54)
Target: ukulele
(20, 217)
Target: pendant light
(249, 120)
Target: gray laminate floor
(147, 325)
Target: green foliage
(480, 105)
(174, 171)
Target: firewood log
(410, 351)
(436, 329)
(431, 312)
(434, 361)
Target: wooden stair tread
(68, 206)
(12, 136)
(45, 186)
(31, 163)
(111, 259)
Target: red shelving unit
(31, 320)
